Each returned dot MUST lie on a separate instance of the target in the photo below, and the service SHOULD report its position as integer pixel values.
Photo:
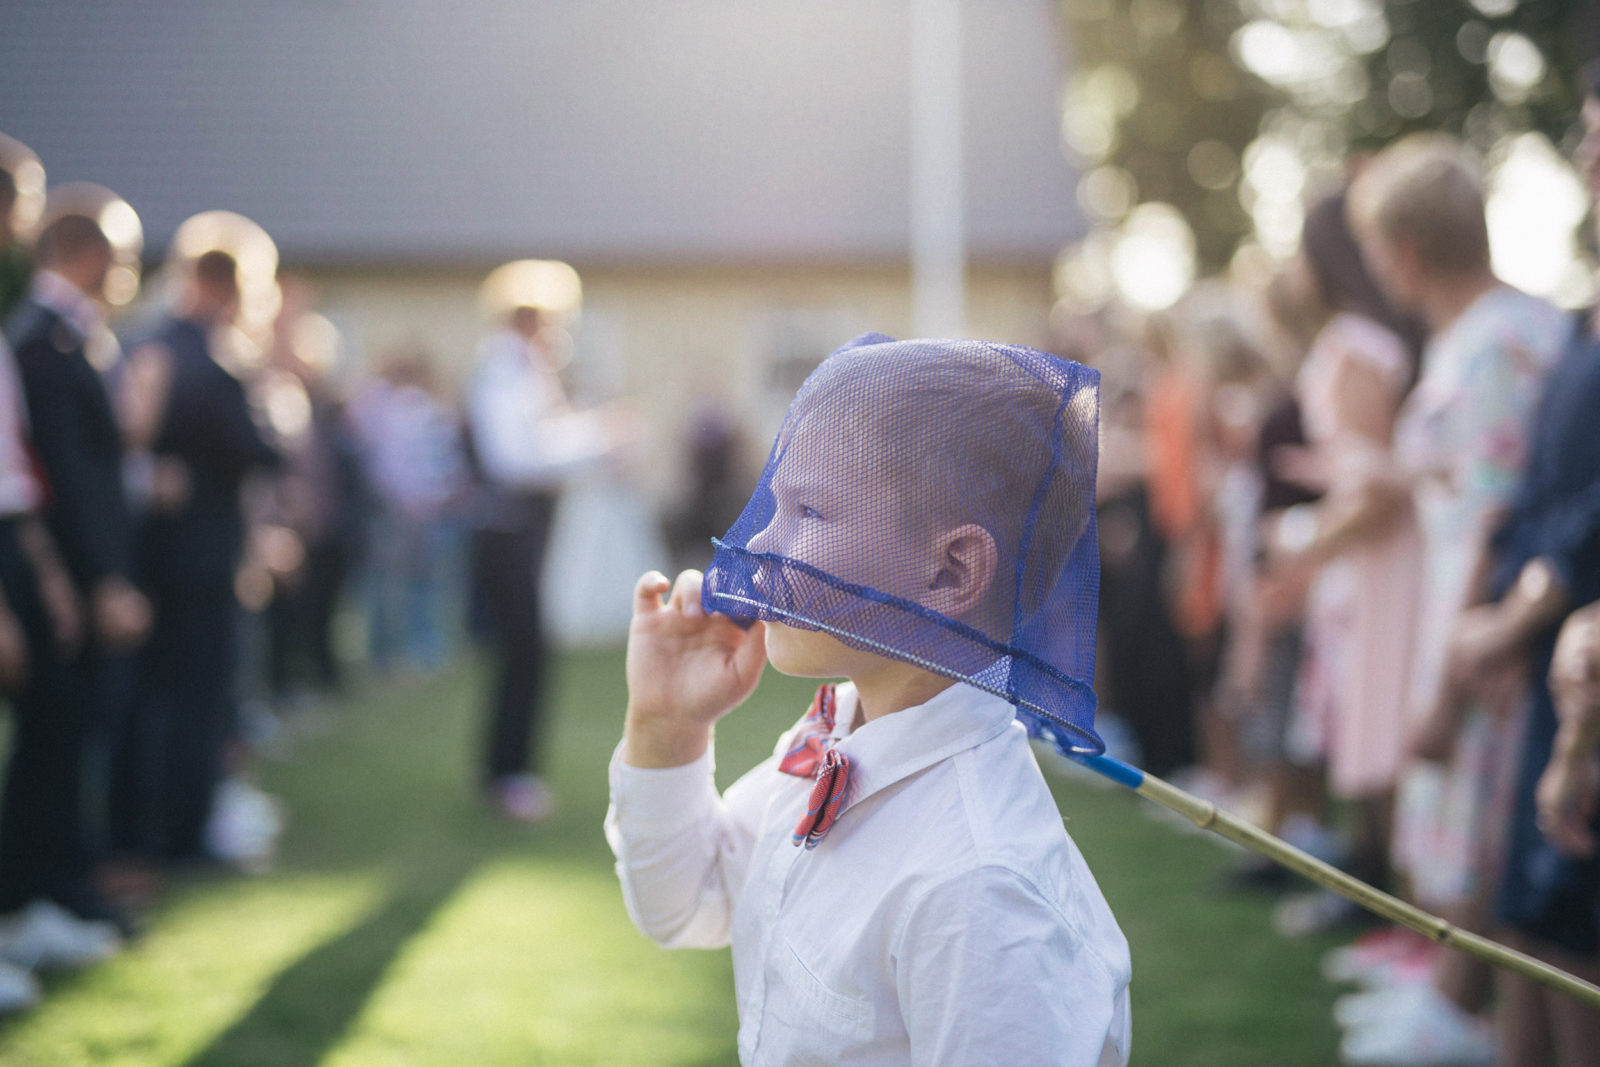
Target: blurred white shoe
(523, 798)
(244, 826)
(1308, 835)
(44, 935)
(1358, 1009)
(1312, 912)
(1419, 1027)
(19, 989)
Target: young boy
(923, 528)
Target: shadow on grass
(310, 1005)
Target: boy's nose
(762, 572)
(763, 540)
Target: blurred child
(924, 528)
(412, 442)
(1231, 381)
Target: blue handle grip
(1114, 769)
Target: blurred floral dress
(1462, 437)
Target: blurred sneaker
(264, 730)
(1201, 782)
(45, 936)
(1375, 959)
(19, 989)
(128, 883)
(244, 826)
(1420, 1028)
(1315, 912)
(1314, 839)
(523, 798)
(84, 901)
(1361, 1009)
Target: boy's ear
(966, 559)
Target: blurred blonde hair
(1427, 192)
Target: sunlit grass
(407, 927)
(527, 965)
(209, 958)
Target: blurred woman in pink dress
(1362, 616)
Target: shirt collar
(894, 747)
(51, 290)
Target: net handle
(1208, 816)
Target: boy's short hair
(967, 433)
(1425, 190)
(922, 437)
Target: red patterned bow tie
(813, 756)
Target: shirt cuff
(653, 799)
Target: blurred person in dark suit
(61, 343)
(39, 837)
(21, 201)
(191, 415)
(321, 497)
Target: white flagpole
(938, 233)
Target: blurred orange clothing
(1173, 447)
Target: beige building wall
(672, 338)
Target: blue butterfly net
(933, 501)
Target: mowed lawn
(406, 927)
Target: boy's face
(834, 510)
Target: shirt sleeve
(75, 439)
(990, 972)
(1568, 537)
(234, 443)
(1500, 387)
(1372, 345)
(681, 854)
(525, 435)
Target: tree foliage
(1163, 69)
(1172, 99)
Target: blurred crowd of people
(1346, 515)
(186, 501)
(1350, 546)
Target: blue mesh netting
(890, 446)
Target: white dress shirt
(19, 489)
(67, 300)
(526, 435)
(946, 918)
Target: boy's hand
(686, 670)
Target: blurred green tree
(1484, 70)
(1158, 110)
(1226, 109)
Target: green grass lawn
(405, 927)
